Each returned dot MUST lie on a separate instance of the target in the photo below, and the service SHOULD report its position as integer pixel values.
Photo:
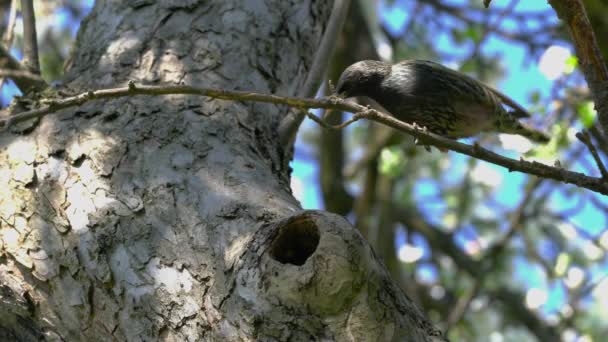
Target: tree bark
(171, 218)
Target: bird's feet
(417, 141)
(334, 99)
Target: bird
(445, 101)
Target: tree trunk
(171, 218)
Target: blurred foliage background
(489, 255)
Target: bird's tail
(513, 126)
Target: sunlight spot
(567, 230)
(437, 292)
(566, 311)
(562, 263)
(297, 188)
(585, 338)
(591, 251)
(495, 336)
(601, 292)
(552, 319)
(552, 63)
(478, 303)
(449, 221)
(410, 253)
(574, 277)
(571, 134)
(515, 143)
(11, 238)
(385, 51)
(80, 206)
(569, 335)
(535, 298)
(604, 240)
(171, 278)
(484, 174)
(22, 151)
(474, 247)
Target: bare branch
(439, 240)
(20, 74)
(10, 27)
(586, 139)
(573, 13)
(30, 41)
(463, 303)
(8, 62)
(9, 33)
(361, 112)
(288, 127)
(515, 223)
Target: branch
(586, 139)
(26, 83)
(443, 242)
(573, 13)
(288, 127)
(463, 303)
(30, 42)
(8, 35)
(21, 74)
(361, 112)
(515, 223)
(530, 37)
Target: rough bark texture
(171, 217)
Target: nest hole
(296, 242)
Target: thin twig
(290, 124)
(586, 139)
(7, 39)
(440, 240)
(361, 112)
(463, 303)
(30, 40)
(516, 221)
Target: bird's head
(361, 78)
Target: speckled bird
(444, 101)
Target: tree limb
(361, 112)
(25, 83)
(30, 40)
(8, 35)
(441, 241)
(573, 13)
(585, 138)
(290, 124)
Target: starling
(444, 101)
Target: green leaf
(475, 33)
(571, 64)
(535, 96)
(562, 263)
(586, 113)
(392, 161)
(549, 151)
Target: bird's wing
(435, 78)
